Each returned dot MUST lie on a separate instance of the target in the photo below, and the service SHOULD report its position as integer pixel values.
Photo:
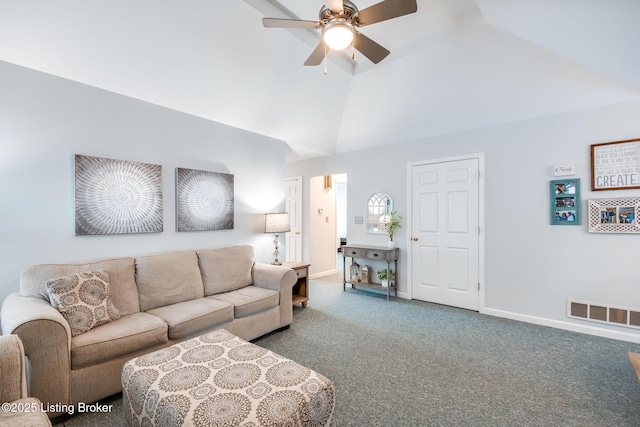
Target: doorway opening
(327, 225)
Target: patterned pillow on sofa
(83, 300)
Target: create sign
(615, 165)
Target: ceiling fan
(339, 21)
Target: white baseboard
(322, 274)
(568, 326)
(558, 324)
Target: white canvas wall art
(117, 196)
(204, 200)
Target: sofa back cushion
(121, 271)
(226, 269)
(168, 279)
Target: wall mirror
(379, 208)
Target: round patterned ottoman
(218, 379)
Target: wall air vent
(603, 313)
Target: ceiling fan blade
(369, 48)
(317, 55)
(334, 5)
(387, 9)
(289, 23)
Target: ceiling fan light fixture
(337, 35)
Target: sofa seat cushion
(187, 318)
(126, 335)
(249, 300)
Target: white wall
(322, 227)
(341, 206)
(532, 268)
(45, 120)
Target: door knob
(297, 232)
(415, 239)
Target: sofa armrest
(280, 279)
(12, 370)
(46, 339)
(274, 277)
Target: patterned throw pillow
(83, 300)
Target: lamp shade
(276, 223)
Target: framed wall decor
(615, 165)
(117, 196)
(619, 215)
(204, 200)
(565, 202)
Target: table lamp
(276, 223)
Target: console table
(375, 253)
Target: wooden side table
(300, 291)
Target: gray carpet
(409, 363)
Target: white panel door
(293, 201)
(444, 233)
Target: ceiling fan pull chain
(325, 59)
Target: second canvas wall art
(204, 200)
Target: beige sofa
(162, 299)
(18, 409)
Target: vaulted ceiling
(454, 65)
